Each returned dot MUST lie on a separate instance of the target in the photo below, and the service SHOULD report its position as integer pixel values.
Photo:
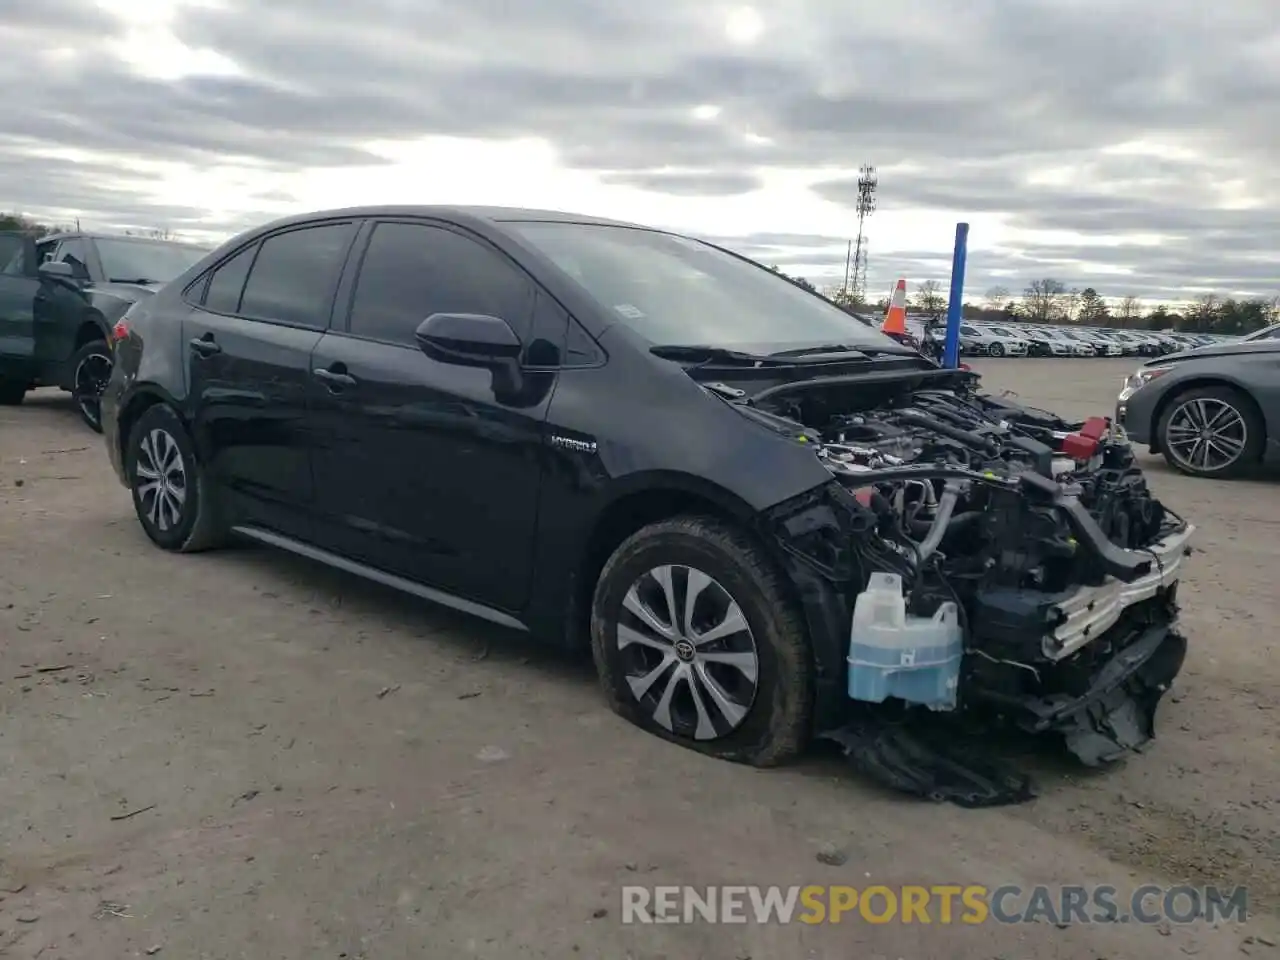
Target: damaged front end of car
(989, 565)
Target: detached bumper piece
(928, 760)
(1116, 715)
(948, 758)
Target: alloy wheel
(690, 657)
(160, 478)
(1206, 434)
(92, 375)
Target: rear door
(18, 289)
(256, 318)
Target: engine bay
(1043, 537)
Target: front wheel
(1210, 432)
(172, 493)
(996, 350)
(697, 641)
(90, 373)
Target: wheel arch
(1199, 382)
(636, 503)
(141, 399)
(93, 326)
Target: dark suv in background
(60, 296)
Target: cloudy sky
(1130, 145)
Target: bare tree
(159, 233)
(1129, 311)
(1068, 306)
(929, 298)
(842, 297)
(1203, 312)
(997, 298)
(1041, 301)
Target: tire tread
(791, 712)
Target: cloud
(1124, 144)
(689, 184)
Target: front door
(60, 309)
(422, 470)
(249, 342)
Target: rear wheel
(12, 392)
(90, 372)
(696, 641)
(1211, 432)
(172, 493)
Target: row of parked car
(1048, 340)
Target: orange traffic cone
(895, 321)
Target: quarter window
(227, 282)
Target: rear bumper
(111, 430)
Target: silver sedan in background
(1211, 412)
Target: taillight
(119, 331)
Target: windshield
(1268, 333)
(1001, 331)
(151, 260)
(674, 290)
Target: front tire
(90, 371)
(696, 640)
(996, 349)
(1211, 432)
(173, 495)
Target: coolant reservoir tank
(893, 654)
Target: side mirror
(469, 340)
(57, 270)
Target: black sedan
(621, 438)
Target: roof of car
(450, 211)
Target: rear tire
(733, 676)
(90, 370)
(12, 392)
(173, 496)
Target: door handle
(334, 378)
(206, 346)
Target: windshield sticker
(630, 312)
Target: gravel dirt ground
(244, 755)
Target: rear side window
(227, 282)
(969, 331)
(293, 277)
(412, 270)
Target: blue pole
(951, 350)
